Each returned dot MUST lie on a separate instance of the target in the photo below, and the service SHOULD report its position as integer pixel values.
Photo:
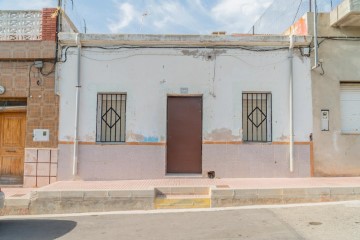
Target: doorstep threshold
(9, 185)
(185, 196)
(183, 175)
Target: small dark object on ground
(211, 174)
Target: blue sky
(155, 16)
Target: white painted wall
(149, 75)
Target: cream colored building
(336, 90)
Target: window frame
(100, 113)
(347, 86)
(268, 117)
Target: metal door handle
(11, 151)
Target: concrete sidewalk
(85, 196)
(239, 183)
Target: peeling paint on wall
(151, 139)
(90, 137)
(69, 138)
(222, 134)
(133, 137)
(205, 55)
(335, 140)
(284, 138)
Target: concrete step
(243, 197)
(182, 201)
(182, 197)
(182, 191)
(45, 201)
(10, 181)
(10, 186)
(184, 175)
(16, 205)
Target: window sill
(110, 143)
(130, 143)
(247, 142)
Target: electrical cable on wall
(46, 74)
(29, 85)
(64, 53)
(40, 79)
(355, 39)
(214, 76)
(253, 49)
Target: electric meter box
(41, 135)
(324, 120)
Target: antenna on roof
(72, 4)
(84, 25)
(145, 14)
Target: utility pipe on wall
(77, 101)
(316, 45)
(291, 110)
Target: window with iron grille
(111, 111)
(256, 119)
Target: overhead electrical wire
(297, 12)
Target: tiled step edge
(181, 203)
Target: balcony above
(346, 14)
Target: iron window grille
(256, 122)
(111, 112)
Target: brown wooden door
(12, 144)
(184, 134)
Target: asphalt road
(324, 221)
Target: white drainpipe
(316, 46)
(77, 100)
(291, 110)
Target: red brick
(48, 24)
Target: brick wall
(31, 50)
(42, 103)
(23, 80)
(48, 24)
(42, 113)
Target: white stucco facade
(148, 75)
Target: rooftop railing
(20, 25)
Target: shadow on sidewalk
(30, 229)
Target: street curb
(43, 201)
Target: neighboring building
(29, 107)
(154, 105)
(336, 90)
